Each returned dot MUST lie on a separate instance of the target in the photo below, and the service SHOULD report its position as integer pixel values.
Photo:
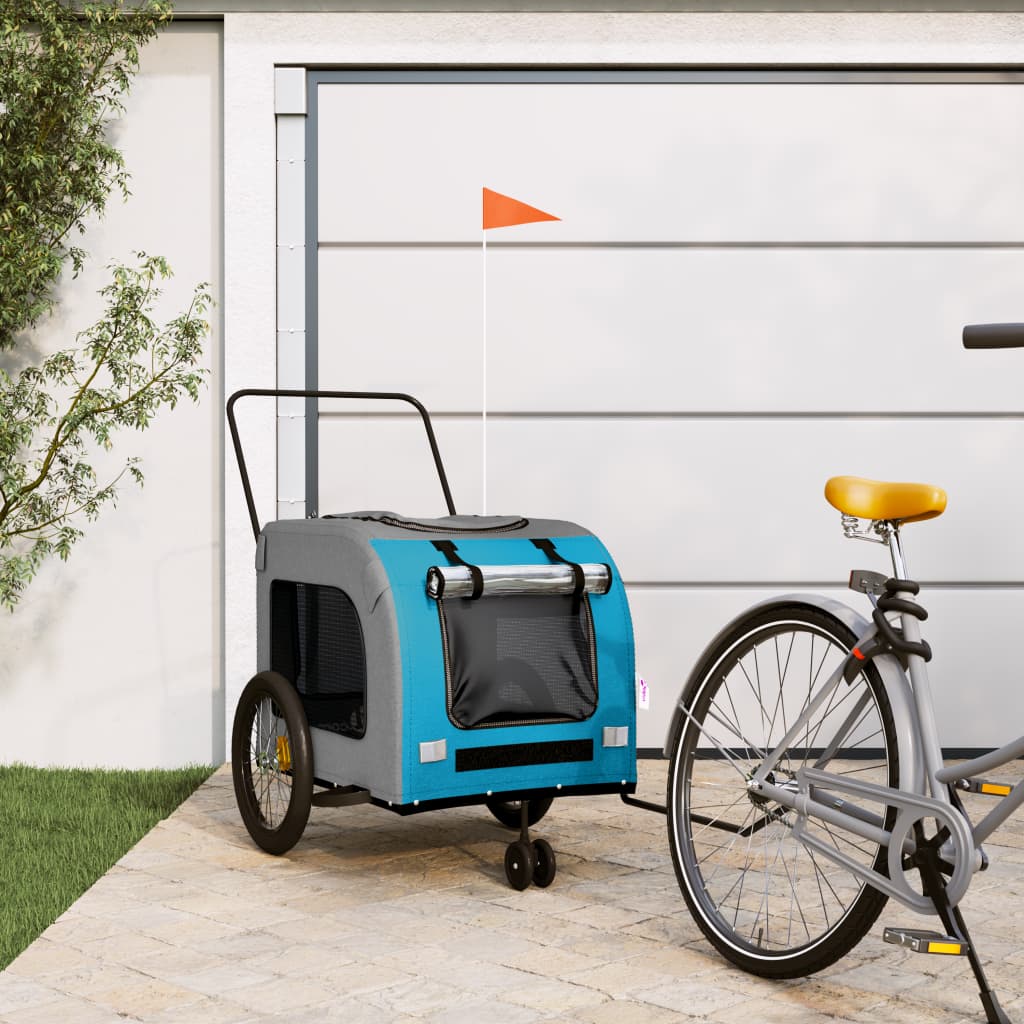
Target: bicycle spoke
(794, 903)
(829, 710)
(818, 877)
(271, 785)
(747, 744)
(828, 883)
(779, 702)
(732, 761)
(738, 800)
(755, 687)
(870, 767)
(869, 849)
(732, 725)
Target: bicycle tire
(763, 899)
(272, 762)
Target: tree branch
(67, 513)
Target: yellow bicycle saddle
(874, 499)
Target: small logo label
(643, 694)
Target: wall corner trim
(289, 90)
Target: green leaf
(62, 78)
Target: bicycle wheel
(767, 902)
(272, 762)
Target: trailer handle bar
(390, 396)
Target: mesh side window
(518, 660)
(317, 644)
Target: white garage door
(757, 282)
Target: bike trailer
(452, 658)
(424, 663)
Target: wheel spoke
(270, 754)
(729, 759)
(755, 690)
(733, 726)
(740, 799)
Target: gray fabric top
(371, 525)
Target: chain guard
(910, 808)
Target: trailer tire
(272, 762)
(520, 864)
(544, 866)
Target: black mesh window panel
(518, 660)
(317, 644)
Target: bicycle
(806, 784)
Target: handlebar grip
(994, 336)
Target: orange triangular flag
(504, 211)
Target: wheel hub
(760, 799)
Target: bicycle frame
(928, 798)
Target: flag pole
(498, 211)
(483, 484)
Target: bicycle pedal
(985, 787)
(920, 941)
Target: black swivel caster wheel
(544, 863)
(520, 864)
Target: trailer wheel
(508, 811)
(544, 863)
(272, 762)
(520, 863)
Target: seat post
(899, 564)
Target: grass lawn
(61, 829)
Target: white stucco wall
(114, 658)
(255, 43)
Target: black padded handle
(994, 336)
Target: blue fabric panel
(425, 716)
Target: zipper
(447, 664)
(406, 524)
(593, 646)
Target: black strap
(580, 577)
(448, 549)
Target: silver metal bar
(807, 806)
(931, 746)
(725, 753)
(825, 798)
(843, 731)
(799, 726)
(985, 763)
(921, 904)
(457, 580)
(961, 850)
(899, 563)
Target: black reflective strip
(518, 755)
(580, 577)
(448, 549)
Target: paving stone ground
(377, 918)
